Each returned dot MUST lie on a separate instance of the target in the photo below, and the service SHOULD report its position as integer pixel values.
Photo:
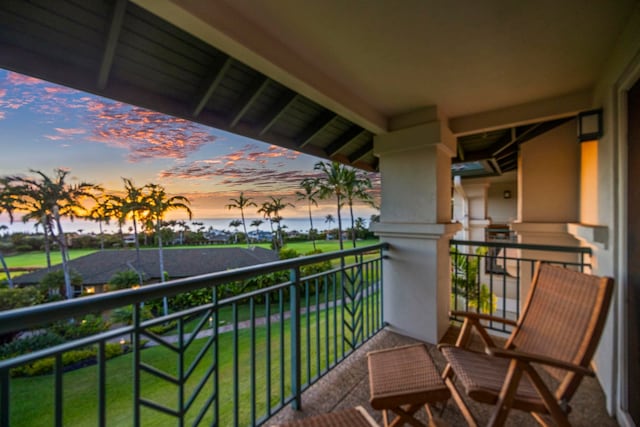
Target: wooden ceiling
(121, 51)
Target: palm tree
(6, 205)
(329, 219)
(310, 187)
(357, 188)
(101, 213)
(49, 199)
(159, 205)
(257, 223)
(135, 205)
(267, 212)
(274, 206)
(235, 224)
(334, 182)
(242, 203)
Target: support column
(415, 218)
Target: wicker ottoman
(403, 379)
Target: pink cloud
(146, 134)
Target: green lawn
(32, 398)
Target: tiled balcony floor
(348, 385)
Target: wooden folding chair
(559, 330)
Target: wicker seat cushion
(482, 377)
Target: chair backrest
(563, 318)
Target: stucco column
(415, 164)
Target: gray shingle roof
(97, 268)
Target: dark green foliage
(124, 280)
(54, 281)
(125, 314)
(29, 344)
(88, 325)
(70, 360)
(19, 297)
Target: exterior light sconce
(589, 125)
(506, 194)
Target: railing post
(294, 300)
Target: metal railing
(493, 276)
(274, 343)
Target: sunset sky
(46, 126)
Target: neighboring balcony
(247, 359)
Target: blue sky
(46, 126)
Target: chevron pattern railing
(232, 361)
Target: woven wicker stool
(353, 417)
(403, 379)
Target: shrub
(70, 360)
(89, 325)
(54, 281)
(124, 279)
(29, 344)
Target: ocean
(83, 227)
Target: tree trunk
(311, 233)
(340, 224)
(6, 270)
(165, 301)
(63, 252)
(135, 236)
(353, 228)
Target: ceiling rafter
(279, 109)
(315, 127)
(213, 82)
(361, 152)
(247, 99)
(115, 28)
(343, 140)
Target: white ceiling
(381, 58)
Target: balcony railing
(275, 342)
(491, 276)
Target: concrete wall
(621, 71)
(501, 210)
(549, 176)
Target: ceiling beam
(248, 98)
(343, 140)
(277, 111)
(315, 127)
(112, 41)
(361, 152)
(213, 82)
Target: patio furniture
(558, 330)
(352, 417)
(402, 380)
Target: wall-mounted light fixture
(506, 194)
(589, 125)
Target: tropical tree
(360, 225)
(6, 205)
(51, 198)
(101, 213)
(134, 205)
(356, 189)
(235, 224)
(333, 183)
(257, 223)
(159, 204)
(309, 193)
(329, 219)
(275, 205)
(242, 203)
(266, 209)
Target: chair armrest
(537, 358)
(481, 316)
